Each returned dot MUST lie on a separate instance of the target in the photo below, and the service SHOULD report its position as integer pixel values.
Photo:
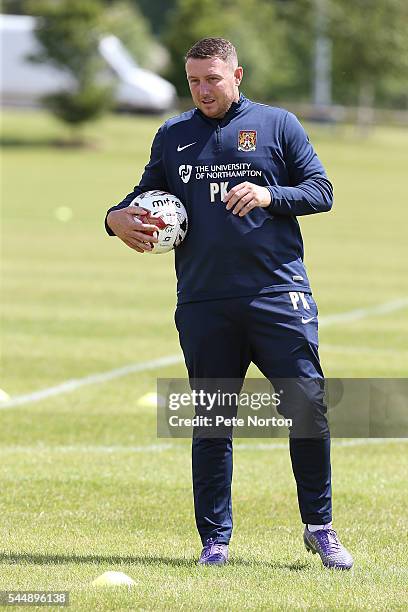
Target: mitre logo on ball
(167, 212)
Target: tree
(299, 22)
(68, 32)
(370, 47)
(13, 7)
(156, 12)
(369, 42)
(124, 19)
(252, 25)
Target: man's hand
(244, 197)
(130, 229)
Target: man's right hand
(127, 226)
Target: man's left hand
(244, 197)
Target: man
(244, 171)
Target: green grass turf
(80, 494)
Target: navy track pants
(279, 334)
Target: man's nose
(204, 89)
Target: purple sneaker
(213, 553)
(327, 544)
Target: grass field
(86, 486)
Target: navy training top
(198, 159)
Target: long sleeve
(153, 177)
(310, 191)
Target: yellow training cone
(4, 396)
(151, 400)
(113, 579)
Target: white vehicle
(23, 83)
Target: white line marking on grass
(335, 443)
(156, 448)
(363, 441)
(362, 313)
(93, 379)
(85, 448)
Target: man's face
(213, 85)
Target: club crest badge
(247, 140)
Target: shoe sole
(212, 564)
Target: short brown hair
(213, 47)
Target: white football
(168, 214)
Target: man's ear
(238, 74)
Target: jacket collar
(234, 109)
